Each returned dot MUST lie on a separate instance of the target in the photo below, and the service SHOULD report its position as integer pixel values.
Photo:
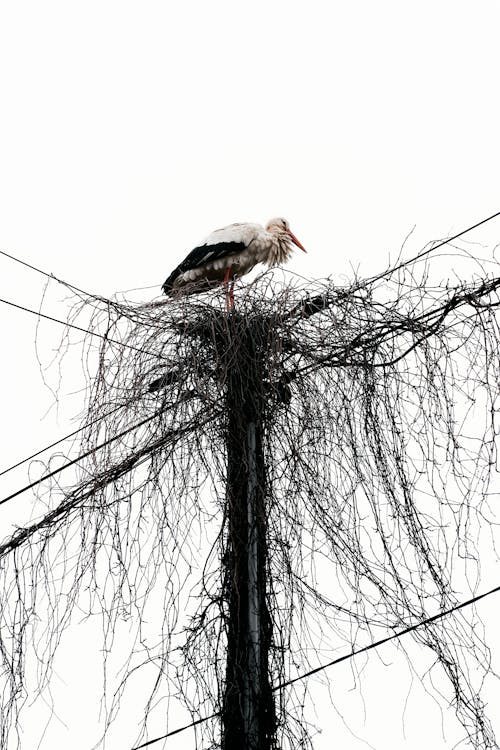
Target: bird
(229, 253)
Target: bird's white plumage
(234, 233)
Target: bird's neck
(281, 249)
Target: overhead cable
(80, 457)
(423, 253)
(61, 440)
(51, 276)
(340, 659)
(83, 330)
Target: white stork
(229, 253)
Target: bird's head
(281, 226)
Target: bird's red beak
(295, 240)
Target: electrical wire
(167, 379)
(80, 457)
(320, 302)
(400, 633)
(423, 253)
(61, 440)
(51, 276)
(178, 730)
(83, 330)
(350, 655)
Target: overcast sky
(129, 130)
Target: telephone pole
(248, 716)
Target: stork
(229, 253)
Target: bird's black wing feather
(201, 255)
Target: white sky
(130, 130)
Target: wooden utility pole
(248, 716)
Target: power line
(431, 249)
(80, 457)
(51, 276)
(61, 440)
(319, 303)
(102, 480)
(400, 633)
(350, 655)
(177, 731)
(171, 377)
(83, 330)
